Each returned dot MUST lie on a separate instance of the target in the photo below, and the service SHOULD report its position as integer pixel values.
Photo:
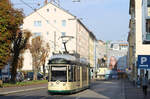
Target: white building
(100, 53)
(51, 22)
(139, 34)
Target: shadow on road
(98, 90)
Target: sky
(107, 19)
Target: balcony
(147, 39)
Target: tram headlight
(64, 84)
(57, 82)
(51, 84)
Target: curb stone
(11, 92)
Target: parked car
(107, 76)
(47, 77)
(19, 77)
(5, 77)
(114, 74)
(30, 76)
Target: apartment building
(51, 22)
(101, 53)
(139, 36)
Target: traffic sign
(143, 61)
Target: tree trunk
(13, 73)
(35, 73)
(44, 74)
(14, 68)
(35, 69)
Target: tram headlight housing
(57, 82)
(64, 84)
(51, 84)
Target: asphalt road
(99, 90)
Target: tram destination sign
(143, 61)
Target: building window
(37, 34)
(148, 3)
(47, 33)
(63, 23)
(55, 9)
(148, 26)
(47, 10)
(37, 23)
(54, 21)
(47, 21)
(111, 46)
(63, 33)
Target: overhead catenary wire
(39, 15)
(23, 4)
(43, 18)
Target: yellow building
(92, 40)
(86, 43)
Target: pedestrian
(145, 84)
(138, 82)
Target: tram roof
(70, 58)
(64, 56)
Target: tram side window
(49, 74)
(70, 73)
(84, 73)
(59, 73)
(78, 73)
(74, 74)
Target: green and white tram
(67, 74)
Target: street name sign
(143, 61)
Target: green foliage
(13, 41)
(20, 43)
(25, 83)
(10, 20)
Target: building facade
(52, 23)
(139, 36)
(101, 53)
(118, 50)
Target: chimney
(45, 2)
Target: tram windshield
(59, 73)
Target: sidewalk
(132, 92)
(9, 90)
